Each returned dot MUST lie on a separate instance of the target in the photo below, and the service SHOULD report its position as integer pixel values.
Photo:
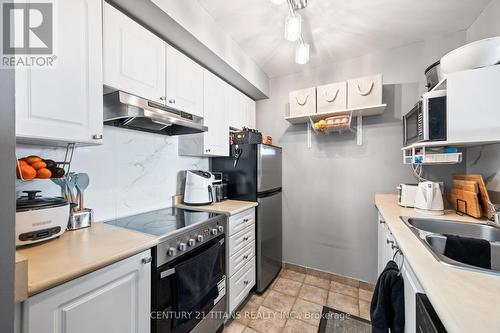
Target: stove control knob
(182, 247)
(199, 238)
(171, 252)
(220, 228)
(191, 242)
(214, 231)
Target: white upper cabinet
(134, 57)
(241, 109)
(64, 104)
(250, 111)
(216, 139)
(184, 83)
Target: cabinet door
(65, 103)
(380, 245)
(134, 58)
(184, 83)
(250, 113)
(114, 299)
(411, 287)
(235, 105)
(216, 139)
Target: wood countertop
(79, 252)
(465, 301)
(226, 207)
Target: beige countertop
(226, 207)
(79, 252)
(465, 301)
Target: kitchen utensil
(80, 219)
(81, 184)
(198, 189)
(434, 75)
(429, 199)
(481, 53)
(71, 184)
(406, 194)
(40, 218)
(484, 197)
(466, 202)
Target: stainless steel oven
(426, 121)
(188, 284)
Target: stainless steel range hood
(128, 111)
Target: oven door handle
(167, 273)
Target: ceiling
(337, 29)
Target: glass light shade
(302, 53)
(293, 27)
(278, 2)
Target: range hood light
(302, 53)
(293, 27)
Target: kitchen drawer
(241, 284)
(241, 240)
(240, 259)
(302, 102)
(240, 221)
(364, 91)
(332, 97)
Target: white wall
(328, 199)
(130, 173)
(487, 24)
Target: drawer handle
(146, 260)
(246, 282)
(365, 93)
(330, 100)
(245, 220)
(305, 101)
(245, 238)
(245, 257)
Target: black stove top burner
(162, 222)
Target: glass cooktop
(162, 222)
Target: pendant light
(293, 27)
(302, 53)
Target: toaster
(198, 189)
(407, 194)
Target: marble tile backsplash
(485, 160)
(132, 172)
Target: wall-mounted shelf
(362, 111)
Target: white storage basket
(364, 91)
(332, 97)
(302, 102)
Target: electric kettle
(429, 199)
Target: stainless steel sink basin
(432, 233)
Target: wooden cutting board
(484, 197)
(466, 185)
(466, 202)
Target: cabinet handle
(146, 260)
(245, 257)
(245, 220)
(245, 238)
(171, 101)
(390, 242)
(381, 221)
(97, 136)
(162, 98)
(246, 282)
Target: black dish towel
(387, 310)
(471, 251)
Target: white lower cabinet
(241, 257)
(386, 252)
(114, 299)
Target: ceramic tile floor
(294, 302)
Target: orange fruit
(32, 159)
(38, 165)
(43, 173)
(26, 172)
(21, 163)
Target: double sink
(431, 233)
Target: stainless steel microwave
(427, 120)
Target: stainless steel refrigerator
(253, 173)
